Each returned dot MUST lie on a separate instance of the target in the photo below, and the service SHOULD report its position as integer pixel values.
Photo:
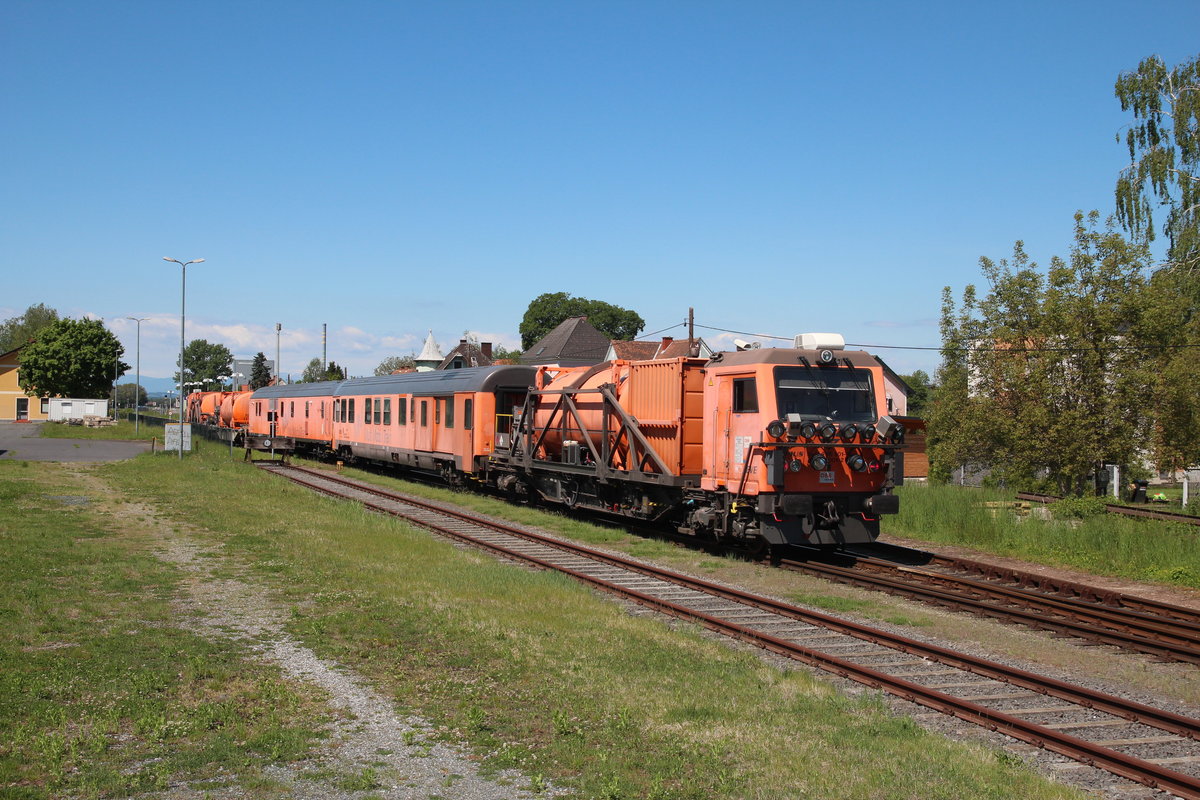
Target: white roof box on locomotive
(819, 341)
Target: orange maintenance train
(776, 446)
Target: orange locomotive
(783, 446)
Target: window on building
(387, 411)
(745, 395)
(468, 414)
(45, 405)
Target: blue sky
(393, 167)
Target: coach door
(735, 428)
(423, 419)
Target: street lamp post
(137, 390)
(182, 306)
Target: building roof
(574, 343)
(634, 351)
(668, 348)
(431, 354)
(468, 354)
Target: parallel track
(1117, 508)
(1170, 633)
(1135, 741)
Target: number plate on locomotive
(825, 477)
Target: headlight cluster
(886, 429)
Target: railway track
(1170, 633)
(1154, 747)
(1117, 508)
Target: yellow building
(14, 403)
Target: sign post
(177, 434)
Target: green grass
(1103, 544)
(540, 674)
(101, 693)
(124, 429)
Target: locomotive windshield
(840, 394)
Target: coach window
(424, 414)
(437, 410)
(367, 411)
(292, 409)
(402, 410)
(449, 412)
(350, 418)
(337, 410)
(306, 405)
(468, 416)
(387, 411)
(745, 395)
(379, 418)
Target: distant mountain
(155, 387)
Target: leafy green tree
(260, 376)
(547, 311)
(204, 361)
(504, 354)
(918, 396)
(1049, 374)
(393, 363)
(313, 372)
(125, 394)
(17, 331)
(72, 358)
(1164, 155)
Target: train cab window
(424, 414)
(468, 416)
(402, 411)
(387, 411)
(745, 395)
(449, 412)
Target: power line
(977, 349)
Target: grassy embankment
(102, 694)
(538, 673)
(124, 429)
(1104, 544)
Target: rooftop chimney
(486, 349)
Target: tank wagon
(778, 446)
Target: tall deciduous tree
(393, 363)
(1164, 154)
(16, 331)
(919, 392)
(72, 358)
(125, 392)
(1050, 374)
(546, 311)
(314, 373)
(260, 376)
(205, 361)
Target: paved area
(21, 441)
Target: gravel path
(367, 737)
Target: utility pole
(278, 328)
(324, 347)
(691, 331)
